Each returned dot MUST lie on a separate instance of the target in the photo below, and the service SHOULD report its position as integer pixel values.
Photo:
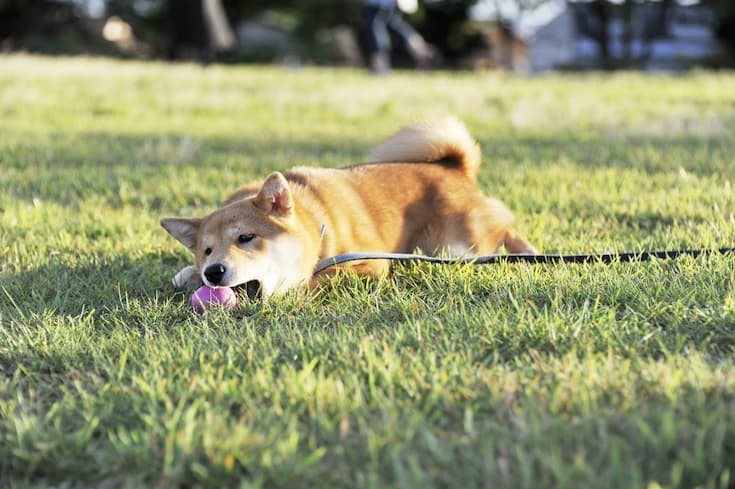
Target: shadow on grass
(136, 169)
(92, 284)
(60, 316)
(145, 171)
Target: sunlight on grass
(514, 376)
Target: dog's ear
(275, 196)
(183, 229)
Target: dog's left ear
(183, 229)
(275, 196)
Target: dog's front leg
(187, 278)
(371, 268)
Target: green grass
(508, 376)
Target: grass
(514, 376)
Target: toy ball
(206, 297)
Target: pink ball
(206, 297)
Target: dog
(417, 191)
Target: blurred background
(525, 36)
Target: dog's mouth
(252, 289)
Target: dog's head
(250, 241)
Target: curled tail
(445, 140)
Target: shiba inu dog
(417, 191)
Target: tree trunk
(601, 10)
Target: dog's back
(418, 190)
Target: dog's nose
(215, 273)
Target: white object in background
(408, 6)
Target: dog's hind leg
(501, 230)
(486, 228)
(517, 244)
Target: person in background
(199, 29)
(382, 17)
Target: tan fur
(418, 192)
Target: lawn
(503, 376)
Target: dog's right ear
(184, 229)
(275, 196)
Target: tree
(725, 28)
(20, 19)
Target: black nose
(214, 273)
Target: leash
(628, 256)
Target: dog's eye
(208, 251)
(245, 238)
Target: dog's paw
(517, 244)
(187, 278)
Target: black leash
(628, 256)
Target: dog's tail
(446, 140)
